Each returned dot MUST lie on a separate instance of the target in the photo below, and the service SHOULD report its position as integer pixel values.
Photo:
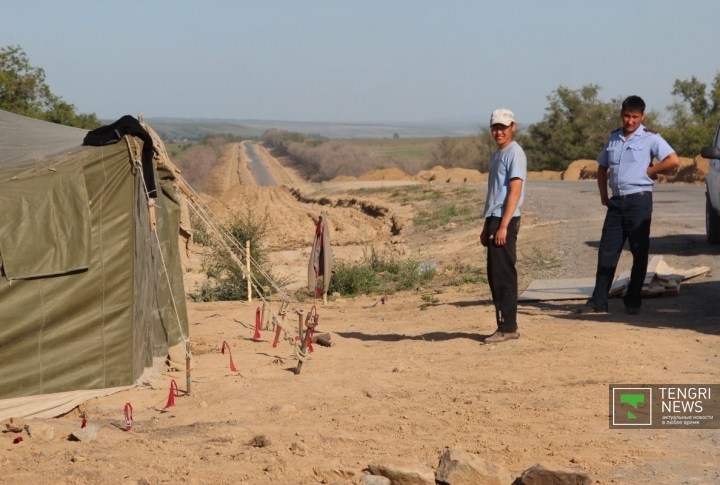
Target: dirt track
(402, 381)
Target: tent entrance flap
(45, 225)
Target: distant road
(257, 167)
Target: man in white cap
(506, 191)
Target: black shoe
(498, 337)
(588, 310)
(632, 311)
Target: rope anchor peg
(311, 321)
(225, 345)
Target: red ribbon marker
(84, 423)
(309, 341)
(277, 336)
(258, 324)
(173, 393)
(128, 416)
(17, 440)
(222, 351)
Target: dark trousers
(502, 274)
(626, 219)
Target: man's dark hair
(633, 103)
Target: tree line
(577, 123)
(575, 126)
(23, 91)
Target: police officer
(627, 156)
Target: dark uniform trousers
(628, 218)
(502, 274)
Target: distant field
(177, 150)
(416, 149)
(179, 129)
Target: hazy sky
(343, 60)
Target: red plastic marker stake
(84, 423)
(173, 393)
(309, 341)
(128, 416)
(258, 324)
(277, 336)
(222, 351)
(17, 440)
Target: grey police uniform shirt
(505, 164)
(629, 159)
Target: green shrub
(378, 272)
(443, 215)
(354, 278)
(225, 277)
(200, 234)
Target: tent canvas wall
(90, 295)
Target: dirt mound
(385, 174)
(581, 170)
(351, 221)
(452, 175)
(225, 172)
(690, 171)
(344, 178)
(544, 175)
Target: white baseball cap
(502, 116)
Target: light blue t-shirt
(505, 164)
(629, 159)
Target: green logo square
(632, 406)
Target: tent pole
(325, 298)
(247, 264)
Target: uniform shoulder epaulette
(615, 131)
(648, 130)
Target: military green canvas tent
(90, 295)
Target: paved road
(678, 225)
(564, 219)
(257, 167)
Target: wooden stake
(301, 335)
(188, 376)
(153, 217)
(325, 298)
(247, 265)
(263, 316)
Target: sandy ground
(408, 380)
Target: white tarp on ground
(660, 279)
(47, 406)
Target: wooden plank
(670, 284)
(620, 284)
(664, 270)
(655, 288)
(672, 291)
(660, 279)
(692, 272)
(652, 270)
(559, 289)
